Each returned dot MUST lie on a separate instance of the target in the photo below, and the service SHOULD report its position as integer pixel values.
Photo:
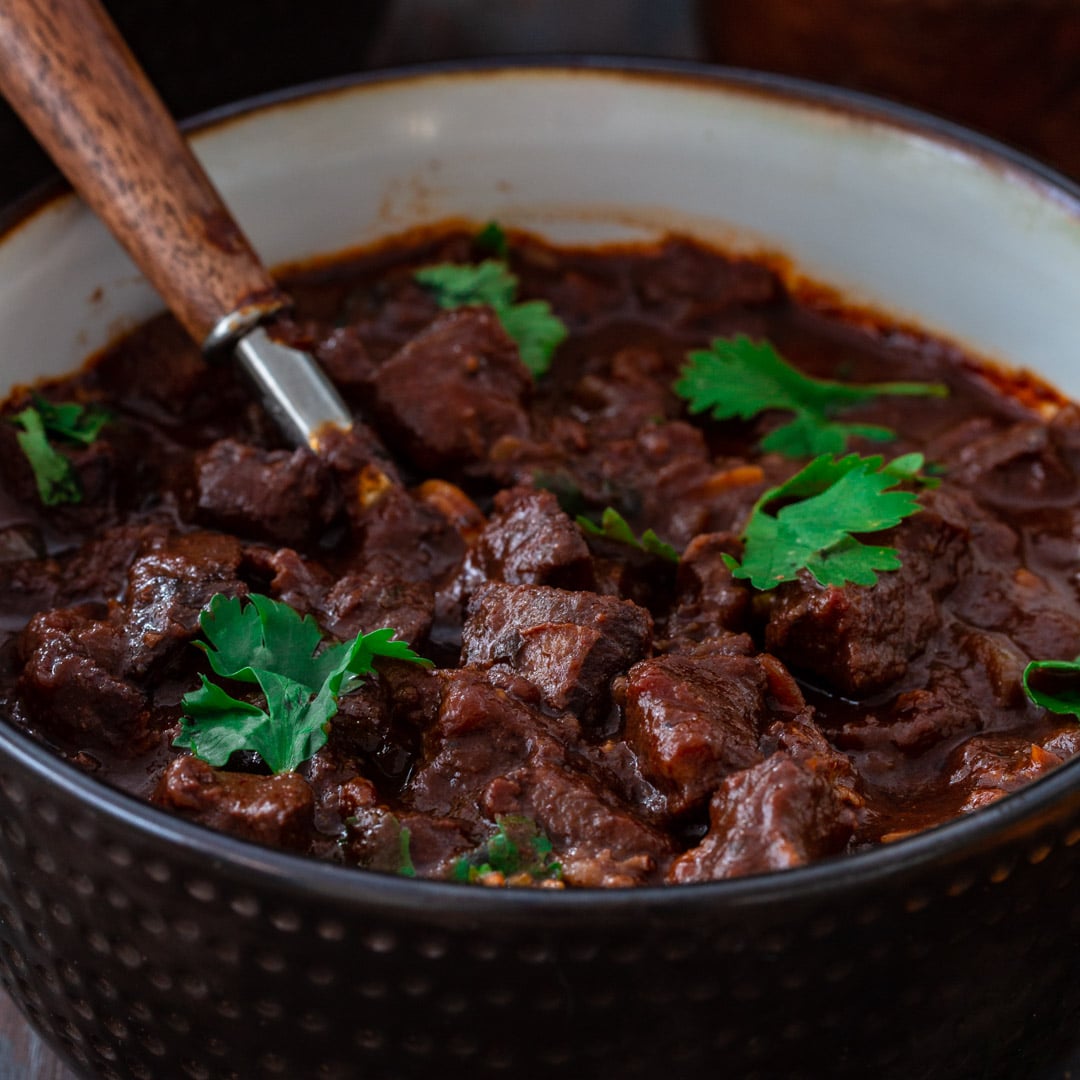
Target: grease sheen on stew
(655, 722)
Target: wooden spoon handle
(68, 73)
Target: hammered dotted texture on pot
(146, 962)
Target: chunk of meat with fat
(273, 810)
(448, 396)
(73, 685)
(775, 815)
(856, 639)
(288, 497)
(569, 644)
(708, 599)
(693, 721)
(529, 540)
(988, 766)
(481, 732)
(599, 842)
(170, 585)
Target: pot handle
(68, 73)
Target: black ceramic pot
(145, 947)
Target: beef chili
(685, 578)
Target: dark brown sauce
(1011, 593)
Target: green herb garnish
(262, 641)
(516, 849)
(492, 238)
(740, 378)
(824, 506)
(613, 526)
(405, 862)
(537, 331)
(1060, 692)
(56, 479)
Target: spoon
(67, 72)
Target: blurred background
(1006, 67)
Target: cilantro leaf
(56, 479)
(613, 526)
(537, 331)
(531, 324)
(492, 238)
(457, 285)
(516, 850)
(738, 378)
(266, 643)
(70, 420)
(823, 507)
(1054, 684)
(405, 861)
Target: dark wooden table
(23, 1055)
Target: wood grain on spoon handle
(67, 72)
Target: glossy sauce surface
(654, 723)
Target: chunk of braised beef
(334, 777)
(481, 733)
(345, 358)
(988, 766)
(529, 540)
(569, 644)
(401, 535)
(274, 810)
(74, 686)
(914, 723)
(377, 726)
(709, 601)
(805, 742)
(287, 576)
(360, 460)
(448, 396)
(1020, 466)
(598, 840)
(856, 639)
(775, 815)
(406, 844)
(693, 721)
(361, 602)
(977, 687)
(288, 497)
(168, 588)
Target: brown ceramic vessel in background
(1010, 68)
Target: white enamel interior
(982, 253)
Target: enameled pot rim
(1042, 802)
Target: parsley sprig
(740, 378)
(823, 507)
(531, 323)
(516, 853)
(56, 479)
(1054, 684)
(613, 526)
(266, 642)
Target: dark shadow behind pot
(201, 54)
(146, 947)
